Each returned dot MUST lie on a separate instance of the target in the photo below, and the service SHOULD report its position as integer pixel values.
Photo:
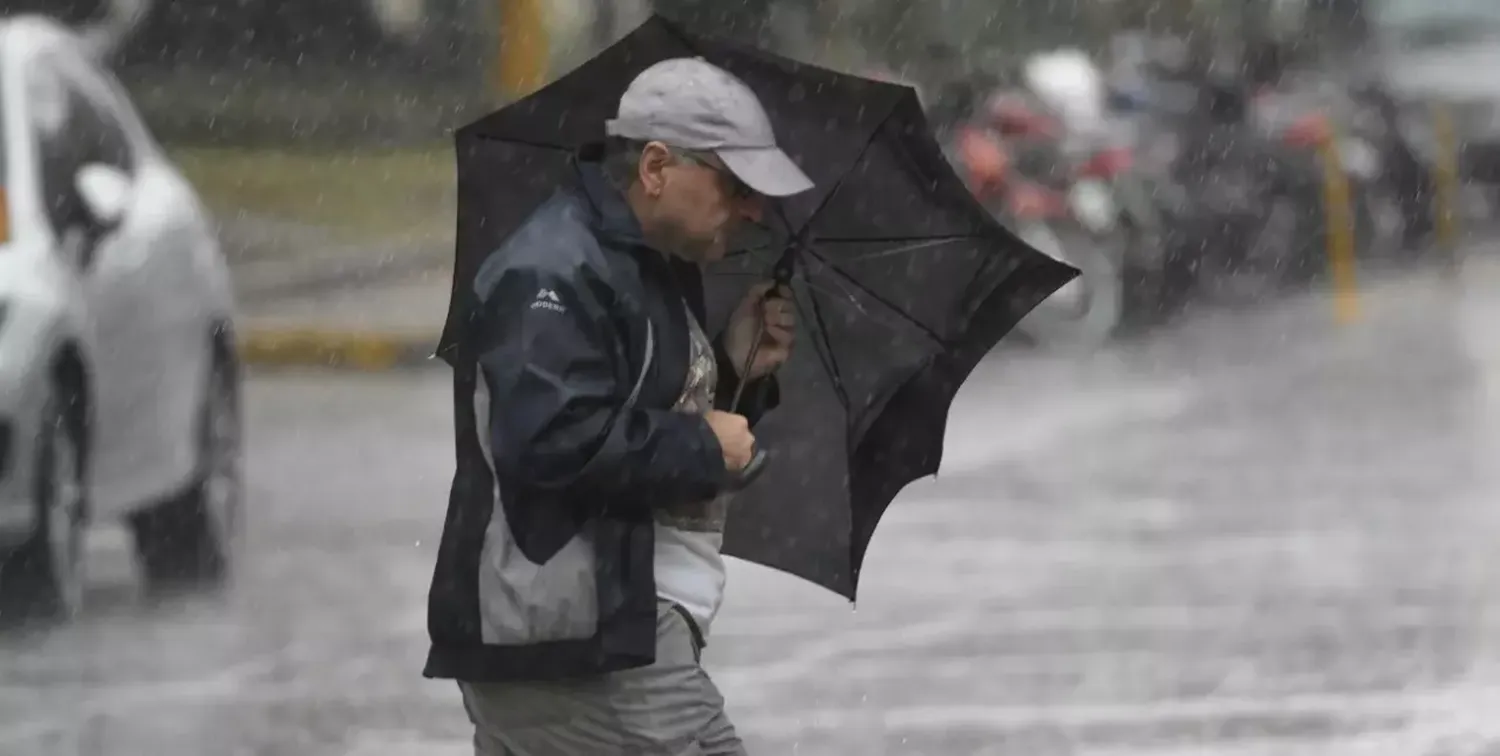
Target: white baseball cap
(694, 105)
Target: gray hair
(622, 161)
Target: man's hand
(734, 436)
(780, 318)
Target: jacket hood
(612, 218)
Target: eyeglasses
(737, 188)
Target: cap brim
(767, 170)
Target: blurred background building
(399, 71)
(383, 71)
(334, 115)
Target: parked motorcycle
(1011, 168)
(1246, 215)
(1066, 183)
(1322, 123)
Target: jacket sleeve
(548, 350)
(760, 397)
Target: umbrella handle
(782, 278)
(758, 458)
(742, 478)
(745, 476)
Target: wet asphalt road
(1256, 533)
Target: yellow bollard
(1338, 215)
(522, 62)
(1446, 179)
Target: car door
(173, 242)
(113, 266)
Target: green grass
(355, 194)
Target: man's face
(697, 204)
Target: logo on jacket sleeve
(547, 299)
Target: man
(579, 571)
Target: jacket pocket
(522, 602)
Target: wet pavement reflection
(1259, 532)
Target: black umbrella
(902, 280)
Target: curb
(329, 278)
(361, 351)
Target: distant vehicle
(1065, 183)
(1250, 206)
(119, 387)
(1399, 63)
(1439, 55)
(1308, 114)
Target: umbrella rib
(839, 295)
(523, 142)
(682, 36)
(915, 246)
(824, 347)
(839, 184)
(852, 281)
(936, 238)
(842, 296)
(844, 174)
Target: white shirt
(690, 572)
(689, 567)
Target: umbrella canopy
(903, 281)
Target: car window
(1416, 12)
(95, 128)
(109, 95)
(1435, 24)
(70, 130)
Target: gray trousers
(670, 708)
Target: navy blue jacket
(556, 482)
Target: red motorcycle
(1064, 200)
(1378, 224)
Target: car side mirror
(105, 192)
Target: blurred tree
(524, 47)
(279, 70)
(436, 36)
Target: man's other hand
(776, 310)
(733, 432)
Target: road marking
(808, 655)
(937, 717)
(221, 684)
(1160, 618)
(982, 435)
(404, 743)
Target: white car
(119, 388)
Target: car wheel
(1086, 311)
(44, 578)
(189, 540)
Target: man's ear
(655, 157)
